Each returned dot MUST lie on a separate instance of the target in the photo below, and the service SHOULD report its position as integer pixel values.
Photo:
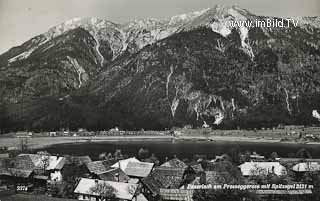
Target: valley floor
(267, 136)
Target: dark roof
(78, 160)
(23, 162)
(214, 177)
(98, 167)
(174, 163)
(15, 172)
(115, 174)
(138, 169)
(197, 168)
(176, 194)
(163, 177)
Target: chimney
(96, 181)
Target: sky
(21, 20)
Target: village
(25, 175)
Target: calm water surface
(180, 149)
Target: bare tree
(104, 191)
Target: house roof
(16, 172)
(98, 167)
(141, 197)
(124, 191)
(294, 160)
(215, 177)
(197, 168)
(174, 163)
(138, 169)
(23, 162)
(176, 194)
(306, 167)
(163, 177)
(257, 168)
(114, 174)
(78, 160)
(123, 163)
(52, 162)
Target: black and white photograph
(160, 100)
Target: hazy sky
(22, 19)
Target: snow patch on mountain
(79, 70)
(97, 49)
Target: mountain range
(191, 69)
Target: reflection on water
(181, 149)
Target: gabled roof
(124, 191)
(51, 162)
(163, 177)
(306, 167)
(98, 167)
(122, 164)
(258, 168)
(114, 174)
(138, 169)
(174, 163)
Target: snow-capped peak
(186, 17)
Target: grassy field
(40, 142)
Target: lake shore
(42, 142)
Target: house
(174, 163)
(297, 160)
(78, 160)
(256, 157)
(306, 167)
(177, 194)
(50, 164)
(138, 169)
(98, 167)
(259, 168)
(123, 191)
(197, 168)
(103, 171)
(162, 177)
(122, 164)
(21, 134)
(17, 170)
(213, 177)
(52, 134)
(13, 172)
(219, 158)
(115, 174)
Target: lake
(186, 149)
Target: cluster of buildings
(84, 132)
(132, 179)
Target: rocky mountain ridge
(188, 69)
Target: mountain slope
(188, 69)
